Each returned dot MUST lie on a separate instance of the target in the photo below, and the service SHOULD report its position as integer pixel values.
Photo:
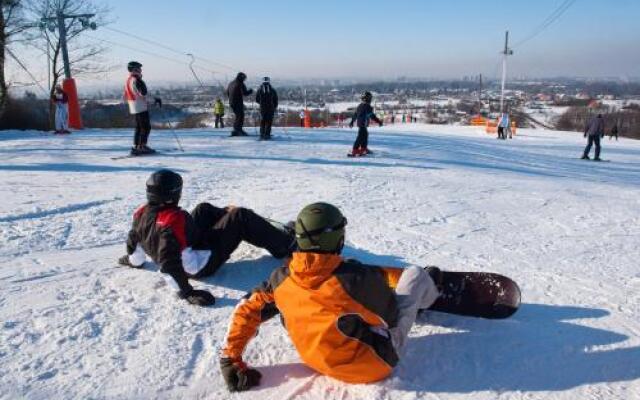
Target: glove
(238, 376)
(350, 124)
(198, 297)
(585, 134)
(380, 123)
(124, 260)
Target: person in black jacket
(236, 92)
(194, 245)
(267, 97)
(364, 113)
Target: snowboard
(477, 294)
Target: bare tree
(84, 56)
(12, 26)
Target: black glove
(585, 134)
(238, 376)
(124, 260)
(350, 124)
(198, 297)
(380, 123)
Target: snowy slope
(75, 325)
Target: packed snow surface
(74, 325)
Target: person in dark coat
(236, 92)
(594, 130)
(267, 97)
(364, 113)
(614, 132)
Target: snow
(75, 325)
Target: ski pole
(175, 135)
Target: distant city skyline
(367, 40)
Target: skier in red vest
(135, 93)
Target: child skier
(363, 114)
(194, 245)
(218, 112)
(61, 100)
(342, 316)
(135, 93)
(504, 126)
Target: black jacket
(267, 97)
(363, 114)
(236, 91)
(166, 234)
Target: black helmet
(320, 228)
(366, 97)
(164, 187)
(241, 76)
(133, 65)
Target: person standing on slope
(343, 317)
(594, 131)
(614, 132)
(267, 97)
(135, 94)
(236, 92)
(61, 101)
(218, 113)
(364, 113)
(194, 245)
(504, 126)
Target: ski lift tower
(506, 53)
(68, 84)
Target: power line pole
(507, 52)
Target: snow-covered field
(74, 325)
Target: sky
(374, 39)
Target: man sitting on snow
(343, 317)
(194, 245)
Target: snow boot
(135, 151)
(147, 150)
(585, 157)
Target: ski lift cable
(547, 22)
(33, 78)
(164, 46)
(150, 53)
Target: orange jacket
(328, 306)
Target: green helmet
(320, 229)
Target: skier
(363, 114)
(218, 112)
(504, 126)
(594, 130)
(194, 245)
(236, 92)
(135, 94)
(61, 100)
(302, 115)
(343, 317)
(614, 132)
(267, 97)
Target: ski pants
(238, 124)
(222, 234)
(362, 141)
(219, 120)
(265, 125)
(501, 133)
(62, 117)
(593, 139)
(415, 291)
(143, 128)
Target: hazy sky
(375, 38)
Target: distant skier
(61, 101)
(614, 132)
(236, 92)
(364, 113)
(595, 131)
(504, 127)
(267, 97)
(343, 317)
(218, 113)
(302, 118)
(135, 93)
(194, 245)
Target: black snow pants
(143, 128)
(593, 139)
(219, 121)
(222, 232)
(265, 125)
(362, 141)
(238, 124)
